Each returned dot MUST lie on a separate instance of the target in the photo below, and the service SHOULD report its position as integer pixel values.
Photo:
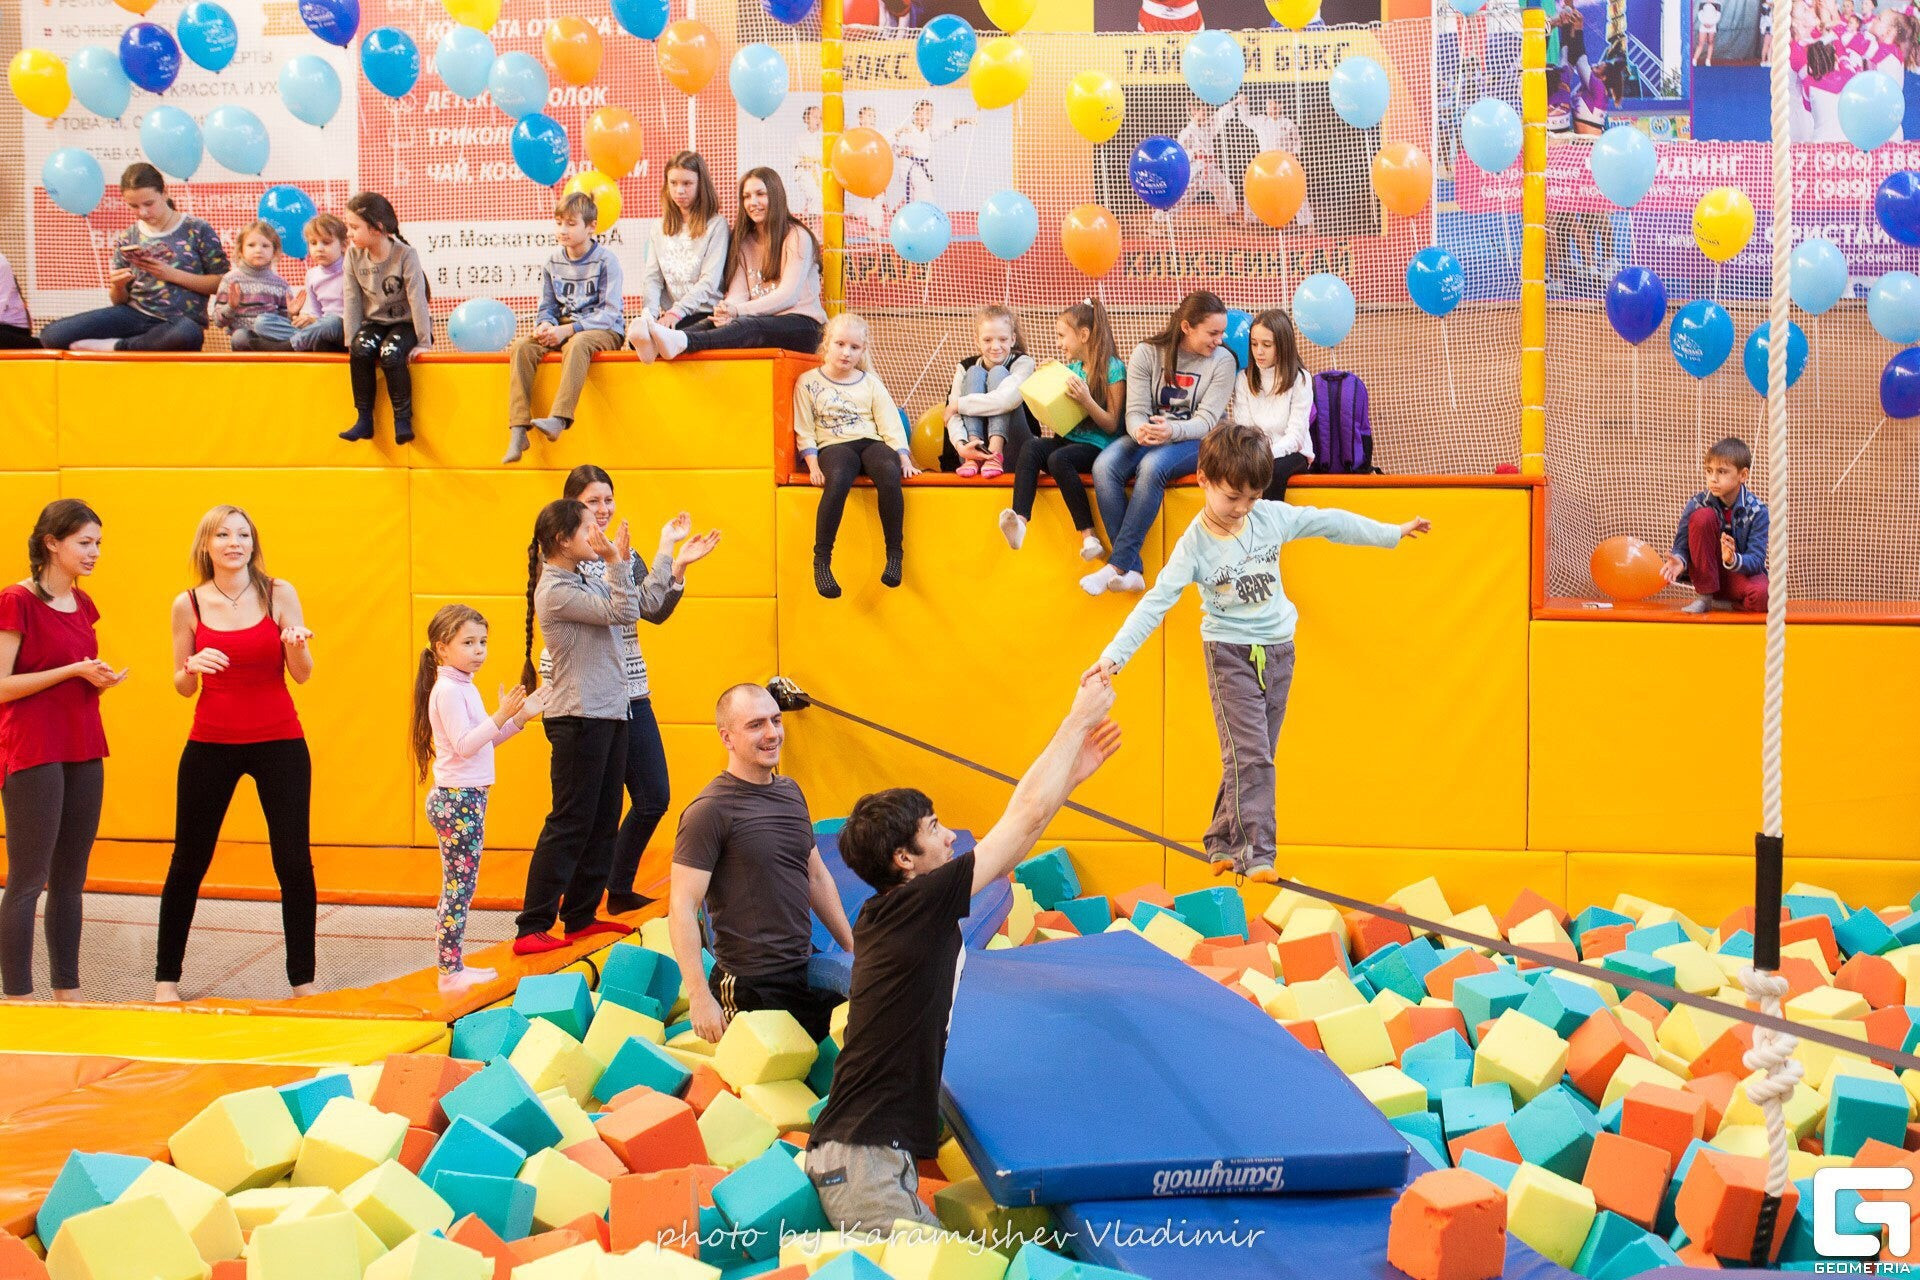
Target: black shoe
(823, 578)
(621, 904)
(361, 430)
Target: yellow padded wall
(1407, 723)
(22, 494)
(30, 406)
(1708, 887)
(244, 413)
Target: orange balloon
(614, 144)
(1403, 178)
(135, 6)
(573, 47)
(1627, 568)
(863, 162)
(1276, 187)
(1090, 238)
(689, 54)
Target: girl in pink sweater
(454, 735)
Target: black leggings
(647, 783)
(574, 855)
(282, 773)
(52, 812)
(787, 332)
(1285, 468)
(1064, 460)
(382, 346)
(842, 464)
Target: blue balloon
(1900, 385)
(391, 60)
(1754, 356)
(1490, 131)
(1213, 65)
(1893, 307)
(463, 60)
(540, 148)
(1159, 171)
(99, 81)
(1323, 309)
(1239, 333)
(759, 79)
(1818, 275)
(73, 180)
(311, 88)
(237, 139)
(1871, 107)
(150, 56)
(481, 325)
(334, 21)
(1359, 90)
(518, 84)
(945, 49)
(1008, 224)
(289, 209)
(207, 35)
(920, 231)
(1636, 304)
(1435, 281)
(1623, 165)
(172, 141)
(1897, 205)
(643, 18)
(1701, 337)
(789, 11)
(1469, 6)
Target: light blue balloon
(1893, 307)
(920, 231)
(237, 139)
(1323, 309)
(1491, 133)
(1753, 358)
(481, 325)
(462, 61)
(1239, 336)
(1008, 224)
(391, 61)
(643, 18)
(99, 81)
(945, 48)
(1701, 336)
(540, 148)
(1435, 281)
(1871, 107)
(1623, 165)
(172, 141)
(518, 84)
(1359, 91)
(73, 181)
(289, 209)
(1469, 6)
(207, 35)
(1213, 65)
(758, 77)
(311, 89)
(1818, 275)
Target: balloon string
(1856, 457)
(1699, 396)
(1006, 297)
(915, 389)
(1446, 356)
(1635, 403)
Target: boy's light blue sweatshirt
(586, 291)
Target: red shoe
(532, 944)
(611, 927)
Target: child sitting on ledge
(1721, 547)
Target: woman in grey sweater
(1179, 382)
(686, 254)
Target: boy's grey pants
(1248, 686)
(867, 1188)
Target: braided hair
(557, 521)
(59, 520)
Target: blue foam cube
(674, 1029)
(641, 1061)
(1421, 956)
(1437, 1075)
(1464, 1110)
(499, 1098)
(828, 826)
(720, 1245)
(1364, 987)
(1859, 1109)
(1091, 915)
(1218, 912)
(470, 1147)
(1609, 1117)
(1906, 932)
(820, 1075)
(1389, 971)
(1647, 1253)
(813, 1112)
(1423, 1124)
(1609, 1234)
(637, 1001)
(1640, 964)
(1146, 911)
(1553, 1133)
(1559, 1005)
(563, 999)
(1432, 1152)
(851, 1266)
(1596, 918)
(1495, 1170)
(1482, 997)
(1738, 943)
(1031, 1263)
(1049, 877)
(1650, 938)
(1587, 1107)
(1798, 1246)
(88, 1180)
(1446, 1044)
(641, 969)
(488, 1034)
(1864, 933)
(765, 1198)
(504, 1203)
(305, 1098)
(1800, 906)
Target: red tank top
(248, 702)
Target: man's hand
(704, 1011)
(1096, 751)
(1091, 701)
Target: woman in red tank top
(237, 635)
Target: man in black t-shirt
(883, 1111)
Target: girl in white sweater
(1274, 394)
(686, 254)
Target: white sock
(1133, 581)
(640, 338)
(94, 344)
(1100, 580)
(1013, 528)
(1090, 548)
(671, 342)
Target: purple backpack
(1340, 425)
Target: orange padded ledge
(1890, 613)
(947, 480)
(430, 356)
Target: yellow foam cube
(1389, 1002)
(1633, 1070)
(1284, 904)
(547, 1056)
(346, 1140)
(837, 1021)
(1422, 899)
(1848, 1065)
(134, 1238)
(1803, 1110)
(955, 1166)
(1021, 914)
(1910, 1081)
(1307, 921)
(1539, 928)
(1817, 1059)
(1176, 939)
(784, 1103)
(580, 1262)
(734, 1132)
(1551, 1213)
(655, 935)
(575, 1124)
(321, 1203)
(815, 1249)
(1631, 907)
(615, 1024)
(1392, 1090)
(1045, 392)
(1259, 986)
(563, 1190)
(1479, 921)
(767, 1044)
(1118, 926)
(1827, 1003)
(431, 1257)
(1682, 1067)
(1520, 1053)
(245, 1139)
(1001, 942)
(1810, 951)
(261, 1205)
(1283, 1004)
(1741, 1140)
(969, 1208)
(395, 1203)
(1804, 1164)
(1801, 889)
(1667, 915)
(1355, 1038)
(650, 1262)
(1641, 1027)
(916, 1252)
(202, 1212)
(1693, 968)
(1053, 935)
(1688, 1031)
(320, 1248)
(1328, 993)
(363, 1080)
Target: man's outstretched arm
(1085, 740)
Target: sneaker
(993, 468)
(551, 427)
(640, 338)
(1013, 528)
(1100, 581)
(532, 944)
(609, 928)
(967, 470)
(516, 444)
(1134, 581)
(1699, 604)
(1090, 548)
(463, 979)
(621, 904)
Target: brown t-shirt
(756, 841)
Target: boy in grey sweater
(582, 296)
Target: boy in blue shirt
(1721, 547)
(582, 299)
(1232, 550)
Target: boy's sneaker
(516, 444)
(1133, 581)
(1013, 528)
(1699, 604)
(551, 427)
(1100, 581)
(1090, 548)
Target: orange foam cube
(1596, 1049)
(1820, 929)
(1125, 904)
(528, 1248)
(1440, 981)
(1528, 905)
(1305, 1032)
(1368, 933)
(1888, 1027)
(662, 1208)
(1802, 975)
(1699, 1259)
(412, 1084)
(478, 1236)
(1628, 1177)
(1875, 979)
(928, 1188)
(224, 1269)
(1663, 1117)
(1646, 1006)
(597, 1158)
(653, 1132)
(1311, 956)
(1604, 940)
(590, 1226)
(704, 1088)
(1719, 1204)
(1260, 931)
(416, 1147)
(1055, 920)
(1559, 950)
(18, 1262)
(1717, 1089)
(1725, 1053)
(1494, 1140)
(1422, 1022)
(1251, 955)
(1449, 1224)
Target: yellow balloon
(1095, 105)
(1294, 15)
(478, 14)
(1008, 15)
(39, 80)
(1723, 223)
(929, 434)
(605, 192)
(1000, 73)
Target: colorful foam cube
(1522, 1053)
(429, 1257)
(1609, 1234)
(1392, 1090)
(348, 1139)
(641, 1062)
(1437, 1075)
(559, 1255)
(1553, 1132)
(412, 1084)
(1495, 1170)
(1561, 1006)
(1218, 912)
(733, 1132)
(1172, 934)
(562, 1189)
(761, 1046)
(1634, 1070)
(564, 999)
(488, 1034)
(614, 1024)
(497, 1096)
(1311, 956)
(1864, 933)
(632, 967)
(1666, 1118)
(1355, 1038)
(575, 1125)
(134, 1238)
(244, 1139)
(86, 1181)
(766, 1198)
(306, 1098)
(321, 1202)
(969, 1208)
(646, 1262)
(1422, 899)
(1859, 1109)
(652, 1132)
(394, 1204)
(662, 1208)
(1719, 1204)
(505, 1204)
(202, 1212)
(548, 1056)
(1483, 997)
(1464, 1111)
(19, 1261)
(1449, 1224)
(1050, 877)
(1089, 915)
(470, 1147)
(306, 1248)
(787, 1104)
(1628, 1177)
(915, 1252)
(820, 1074)
(1549, 1212)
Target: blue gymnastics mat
(1102, 1068)
(831, 969)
